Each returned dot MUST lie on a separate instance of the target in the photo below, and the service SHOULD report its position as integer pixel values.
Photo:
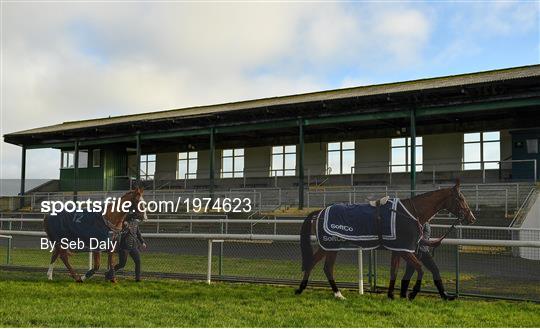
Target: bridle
(460, 213)
(133, 209)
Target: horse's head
(458, 206)
(135, 197)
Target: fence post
(374, 270)
(8, 258)
(460, 236)
(209, 268)
(221, 252)
(457, 270)
(360, 272)
(506, 203)
(477, 197)
(517, 196)
(370, 274)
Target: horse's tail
(305, 241)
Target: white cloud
(71, 61)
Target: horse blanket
(350, 226)
(79, 226)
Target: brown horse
(423, 207)
(113, 219)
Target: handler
(130, 242)
(424, 256)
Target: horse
(422, 208)
(110, 222)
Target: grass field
(29, 300)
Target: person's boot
(404, 288)
(440, 288)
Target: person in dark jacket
(425, 257)
(130, 242)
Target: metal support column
(76, 170)
(23, 175)
(138, 161)
(301, 164)
(413, 151)
(212, 164)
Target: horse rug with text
(78, 226)
(351, 226)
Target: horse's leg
(319, 254)
(394, 266)
(329, 271)
(96, 260)
(64, 257)
(110, 262)
(411, 259)
(54, 257)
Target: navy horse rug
(87, 229)
(351, 226)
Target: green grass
(29, 300)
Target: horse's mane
(427, 194)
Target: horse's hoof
(113, 280)
(390, 296)
(412, 295)
(297, 291)
(339, 296)
(79, 280)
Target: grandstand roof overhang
(499, 99)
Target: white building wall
(532, 221)
(257, 161)
(372, 156)
(314, 158)
(506, 146)
(166, 165)
(444, 151)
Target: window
(283, 161)
(400, 160)
(340, 158)
(83, 159)
(96, 158)
(187, 165)
(232, 163)
(68, 159)
(481, 150)
(148, 166)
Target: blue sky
(71, 61)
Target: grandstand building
(483, 127)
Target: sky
(64, 61)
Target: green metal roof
(372, 90)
